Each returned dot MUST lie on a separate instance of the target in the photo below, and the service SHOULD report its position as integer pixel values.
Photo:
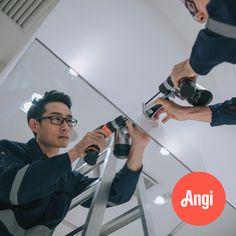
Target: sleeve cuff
(224, 113)
(197, 68)
(215, 113)
(126, 170)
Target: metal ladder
(100, 192)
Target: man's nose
(64, 125)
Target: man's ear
(33, 124)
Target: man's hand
(139, 138)
(139, 141)
(173, 110)
(177, 112)
(182, 70)
(97, 137)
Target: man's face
(54, 135)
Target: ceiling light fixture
(161, 200)
(164, 151)
(72, 72)
(25, 106)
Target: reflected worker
(214, 44)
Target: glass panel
(39, 70)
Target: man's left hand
(139, 141)
(139, 138)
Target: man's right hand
(97, 137)
(172, 110)
(182, 70)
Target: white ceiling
(125, 49)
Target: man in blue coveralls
(215, 44)
(37, 184)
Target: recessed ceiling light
(36, 96)
(164, 152)
(162, 199)
(159, 200)
(25, 106)
(72, 72)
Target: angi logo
(198, 198)
(201, 200)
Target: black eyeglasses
(192, 8)
(58, 120)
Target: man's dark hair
(38, 105)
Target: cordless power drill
(188, 90)
(92, 152)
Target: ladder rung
(115, 224)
